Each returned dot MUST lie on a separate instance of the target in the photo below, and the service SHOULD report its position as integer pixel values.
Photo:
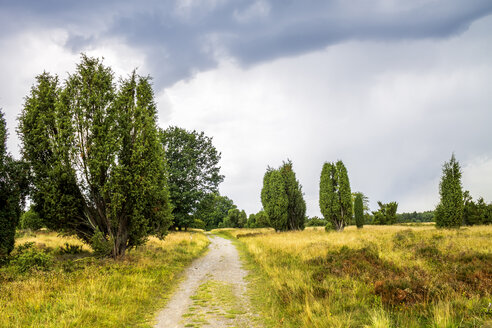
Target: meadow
(378, 276)
(55, 281)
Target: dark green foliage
(427, 216)
(13, 189)
(274, 199)
(70, 249)
(261, 220)
(359, 211)
(315, 222)
(97, 162)
(251, 221)
(296, 204)
(282, 198)
(28, 258)
(386, 213)
(365, 207)
(198, 224)
(335, 197)
(31, 220)
(476, 212)
(243, 219)
(193, 171)
(232, 218)
(235, 219)
(212, 210)
(449, 211)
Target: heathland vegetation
(108, 189)
(378, 276)
(56, 281)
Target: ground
(213, 293)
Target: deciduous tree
(193, 171)
(212, 209)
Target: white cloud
(477, 178)
(392, 111)
(28, 54)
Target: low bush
(28, 258)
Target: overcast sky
(390, 87)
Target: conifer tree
(449, 211)
(359, 210)
(97, 162)
(335, 197)
(274, 199)
(13, 189)
(297, 206)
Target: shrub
(29, 258)
(315, 222)
(31, 220)
(70, 249)
(101, 246)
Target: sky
(390, 87)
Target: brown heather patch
(468, 273)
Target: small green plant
(100, 245)
(70, 249)
(28, 258)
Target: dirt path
(213, 293)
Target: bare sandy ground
(213, 293)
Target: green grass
(373, 277)
(78, 290)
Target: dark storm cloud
(179, 38)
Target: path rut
(213, 293)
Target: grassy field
(56, 282)
(378, 276)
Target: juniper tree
(274, 199)
(296, 205)
(359, 210)
(97, 162)
(449, 211)
(13, 189)
(261, 219)
(386, 214)
(335, 198)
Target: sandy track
(213, 293)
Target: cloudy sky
(390, 87)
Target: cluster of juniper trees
(95, 165)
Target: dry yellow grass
(89, 292)
(378, 276)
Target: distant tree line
(475, 213)
(427, 216)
